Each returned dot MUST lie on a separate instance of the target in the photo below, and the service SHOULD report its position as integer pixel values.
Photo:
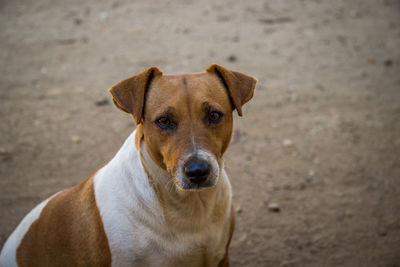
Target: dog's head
(186, 119)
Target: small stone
(63, 161)
(287, 187)
(311, 172)
(320, 87)
(102, 102)
(342, 39)
(78, 21)
(236, 39)
(63, 117)
(232, 58)
(54, 92)
(103, 15)
(388, 62)
(287, 142)
(371, 60)
(382, 232)
(238, 209)
(115, 5)
(223, 18)
(75, 139)
(3, 150)
(242, 238)
(274, 207)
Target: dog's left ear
(129, 94)
(239, 85)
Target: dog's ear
(129, 94)
(239, 85)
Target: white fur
(8, 253)
(141, 231)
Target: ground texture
(320, 139)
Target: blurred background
(315, 160)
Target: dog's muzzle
(197, 170)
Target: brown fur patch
(225, 261)
(69, 232)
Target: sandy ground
(321, 138)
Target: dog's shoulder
(68, 230)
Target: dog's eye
(165, 123)
(214, 116)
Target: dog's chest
(155, 247)
(138, 230)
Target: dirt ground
(321, 137)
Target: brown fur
(69, 232)
(225, 261)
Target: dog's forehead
(172, 89)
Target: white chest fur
(149, 225)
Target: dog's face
(187, 119)
(188, 126)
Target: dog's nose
(197, 171)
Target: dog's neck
(181, 206)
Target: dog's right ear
(129, 94)
(240, 86)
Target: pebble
(78, 21)
(232, 58)
(103, 15)
(54, 92)
(63, 117)
(102, 102)
(238, 209)
(3, 150)
(388, 62)
(287, 142)
(75, 139)
(371, 60)
(382, 232)
(320, 87)
(274, 207)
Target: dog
(165, 198)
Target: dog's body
(164, 199)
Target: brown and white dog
(164, 199)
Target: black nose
(197, 171)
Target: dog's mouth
(197, 171)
